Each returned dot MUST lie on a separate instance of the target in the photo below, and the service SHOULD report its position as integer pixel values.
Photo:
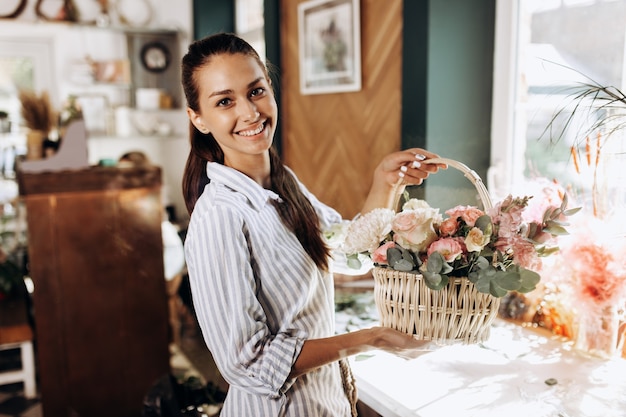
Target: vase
(597, 331)
(34, 144)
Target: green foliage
(11, 278)
(402, 259)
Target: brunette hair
(295, 210)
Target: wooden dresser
(96, 260)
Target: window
(24, 64)
(544, 50)
(249, 24)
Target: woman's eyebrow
(229, 91)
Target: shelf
(129, 29)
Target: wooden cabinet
(96, 260)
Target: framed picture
(330, 46)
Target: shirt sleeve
(232, 320)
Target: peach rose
(475, 240)
(415, 229)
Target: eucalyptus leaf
(403, 265)
(435, 263)
(409, 257)
(393, 255)
(483, 285)
(484, 224)
(529, 278)
(482, 262)
(555, 229)
(435, 281)
(510, 281)
(353, 262)
(446, 268)
(572, 211)
(496, 290)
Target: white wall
(69, 44)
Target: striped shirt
(258, 296)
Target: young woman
(258, 265)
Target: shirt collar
(237, 181)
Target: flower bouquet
(442, 278)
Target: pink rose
(379, 256)
(415, 229)
(449, 248)
(449, 227)
(468, 214)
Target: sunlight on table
(509, 374)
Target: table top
(509, 374)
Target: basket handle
(470, 174)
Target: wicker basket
(455, 314)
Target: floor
(189, 358)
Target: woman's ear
(196, 120)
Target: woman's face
(237, 106)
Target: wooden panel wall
(334, 141)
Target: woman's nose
(249, 112)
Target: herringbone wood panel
(334, 141)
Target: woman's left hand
(399, 169)
(407, 167)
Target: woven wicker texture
(457, 313)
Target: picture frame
(329, 43)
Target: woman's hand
(399, 343)
(398, 169)
(406, 166)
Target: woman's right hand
(399, 343)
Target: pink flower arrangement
(594, 265)
(498, 250)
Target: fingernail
(403, 168)
(420, 156)
(401, 174)
(416, 164)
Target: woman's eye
(257, 91)
(224, 102)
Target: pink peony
(449, 248)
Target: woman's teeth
(252, 132)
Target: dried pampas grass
(37, 111)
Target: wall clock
(155, 56)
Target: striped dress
(258, 296)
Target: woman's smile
(253, 131)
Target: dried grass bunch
(37, 111)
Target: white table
(505, 376)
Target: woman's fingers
(410, 166)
